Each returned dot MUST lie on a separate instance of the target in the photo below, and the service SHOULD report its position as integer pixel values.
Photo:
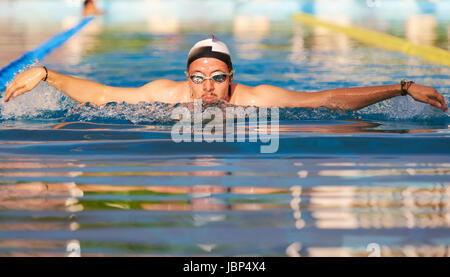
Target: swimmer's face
(209, 90)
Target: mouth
(209, 98)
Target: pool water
(110, 181)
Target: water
(101, 181)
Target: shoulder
(247, 95)
(163, 83)
(166, 90)
(271, 96)
(240, 93)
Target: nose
(208, 85)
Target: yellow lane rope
(429, 53)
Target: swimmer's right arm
(79, 89)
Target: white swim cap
(210, 47)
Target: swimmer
(90, 9)
(210, 77)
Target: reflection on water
(91, 217)
(325, 39)
(249, 31)
(420, 29)
(320, 208)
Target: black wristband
(404, 85)
(46, 74)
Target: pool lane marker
(429, 53)
(8, 72)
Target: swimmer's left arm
(271, 96)
(345, 98)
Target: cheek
(222, 89)
(195, 89)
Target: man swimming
(210, 77)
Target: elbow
(334, 101)
(100, 100)
(328, 99)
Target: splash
(142, 113)
(43, 102)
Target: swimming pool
(110, 181)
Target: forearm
(345, 98)
(359, 97)
(79, 89)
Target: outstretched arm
(345, 98)
(79, 89)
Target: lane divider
(8, 72)
(429, 53)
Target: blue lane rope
(8, 72)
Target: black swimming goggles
(217, 77)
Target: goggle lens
(218, 77)
(197, 79)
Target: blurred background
(24, 24)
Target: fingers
(441, 100)
(15, 92)
(435, 103)
(20, 91)
(431, 96)
(28, 79)
(13, 87)
(10, 85)
(436, 99)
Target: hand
(427, 94)
(24, 82)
